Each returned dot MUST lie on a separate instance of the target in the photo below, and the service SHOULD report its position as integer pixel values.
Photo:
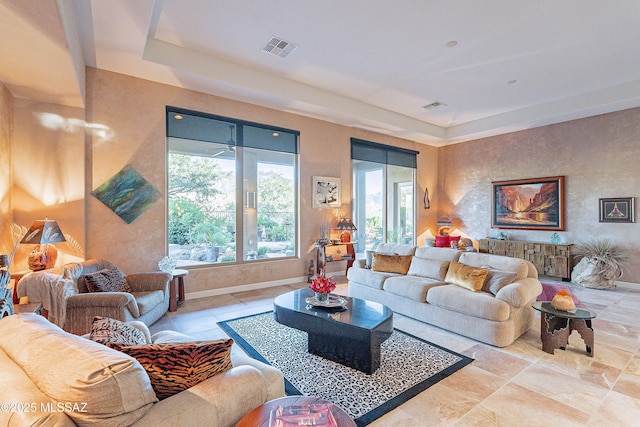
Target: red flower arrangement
(322, 284)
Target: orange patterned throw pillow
(174, 367)
(468, 277)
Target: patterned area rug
(409, 365)
(550, 289)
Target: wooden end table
(556, 326)
(260, 416)
(176, 289)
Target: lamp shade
(346, 224)
(444, 225)
(43, 231)
(444, 221)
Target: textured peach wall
(6, 126)
(134, 111)
(48, 170)
(598, 156)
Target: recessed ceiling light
(452, 43)
(178, 116)
(275, 134)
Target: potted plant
(601, 265)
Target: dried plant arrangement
(601, 265)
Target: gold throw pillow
(391, 263)
(466, 276)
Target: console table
(550, 259)
(330, 252)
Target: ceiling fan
(231, 144)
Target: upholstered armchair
(147, 301)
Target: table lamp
(43, 233)
(346, 226)
(444, 224)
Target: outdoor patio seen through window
(232, 189)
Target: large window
(384, 194)
(232, 189)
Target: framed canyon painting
(530, 204)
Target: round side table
(261, 415)
(556, 326)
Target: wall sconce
(445, 225)
(250, 199)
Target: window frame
(291, 147)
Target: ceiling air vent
(434, 105)
(278, 47)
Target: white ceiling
(371, 64)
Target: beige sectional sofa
(52, 377)
(497, 315)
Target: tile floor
(519, 385)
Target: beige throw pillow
(391, 263)
(465, 276)
(497, 279)
(429, 268)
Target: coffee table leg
(554, 332)
(585, 330)
(359, 355)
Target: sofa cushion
(466, 276)
(391, 263)
(412, 287)
(443, 254)
(431, 268)
(477, 304)
(106, 281)
(396, 248)
(115, 388)
(174, 367)
(497, 279)
(105, 330)
(369, 278)
(148, 300)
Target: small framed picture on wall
(326, 192)
(617, 209)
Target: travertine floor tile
(519, 385)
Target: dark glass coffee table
(556, 326)
(350, 335)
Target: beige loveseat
(51, 377)
(494, 316)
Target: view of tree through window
(224, 176)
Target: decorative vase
(322, 296)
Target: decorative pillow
(174, 367)
(106, 281)
(106, 330)
(497, 279)
(368, 253)
(442, 241)
(466, 276)
(391, 263)
(430, 268)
